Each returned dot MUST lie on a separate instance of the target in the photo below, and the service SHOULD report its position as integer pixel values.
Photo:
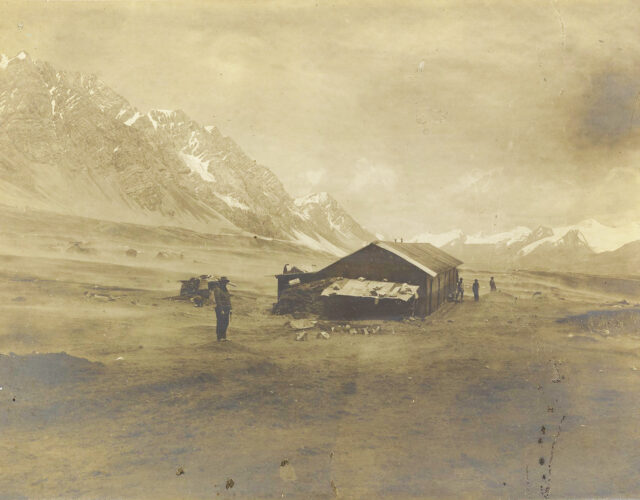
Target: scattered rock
(18, 299)
(131, 252)
(80, 247)
(99, 296)
(179, 471)
(287, 472)
(301, 336)
(323, 336)
(302, 324)
(334, 489)
(353, 331)
(230, 483)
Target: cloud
(315, 176)
(367, 176)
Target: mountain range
(588, 246)
(70, 144)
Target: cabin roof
(424, 256)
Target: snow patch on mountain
(438, 239)
(198, 166)
(231, 201)
(507, 238)
(133, 119)
(153, 122)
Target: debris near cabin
(196, 289)
(303, 298)
(298, 268)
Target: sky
(416, 116)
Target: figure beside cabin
(476, 290)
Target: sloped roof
(424, 256)
(372, 289)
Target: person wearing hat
(476, 290)
(223, 308)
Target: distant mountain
(571, 248)
(70, 144)
(439, 239)
(584, 247)
(624, 261)
(331, 221)
(600, 238)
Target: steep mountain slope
(329, 218)
(68, 143)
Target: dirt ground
(110, 391)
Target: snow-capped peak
(313, 199)
(507, 238)
(438, 239)
(599, 238)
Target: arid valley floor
(108, 388)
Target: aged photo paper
(317, 249)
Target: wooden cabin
(432, 270)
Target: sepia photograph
(318, 249)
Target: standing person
(460, 290)
(492, 284)
(223, 308)
(476, 290)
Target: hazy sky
(416, 116)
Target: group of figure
(475, 288)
